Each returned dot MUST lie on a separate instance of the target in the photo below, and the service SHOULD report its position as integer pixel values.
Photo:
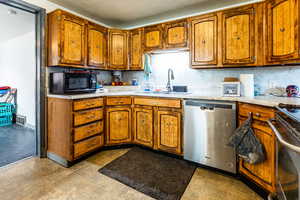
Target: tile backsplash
(210, 79)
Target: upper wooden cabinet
(203, 39)
(143, 126)
(176, 34)
(153, 38)
(117, 49)
(238, 31)
(66, 39)
(97, 46)
(118, 125)
(136, 50)
(282, 31)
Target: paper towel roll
(247, 85)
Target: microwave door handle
(281, 140)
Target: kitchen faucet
(170, 77)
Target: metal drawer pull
(257, 114)
(281, 140)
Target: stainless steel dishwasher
(207, 128)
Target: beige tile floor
(42, 179)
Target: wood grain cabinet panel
(88, 145)
(66, 39)
(136, 50)
(176, 35)
(282, 31)
(118, 49)
(118, 125)
(239, 36)
(143, 126)
(84, 104)
(263, 173)
(88, 130)
(204, 41)
(97, 46)
(84, 117)
(153, 38)
(169, 131)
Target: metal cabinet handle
(282, 29)
(257, 114)
(238, 38)
(281, 140)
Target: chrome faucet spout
(170, 77)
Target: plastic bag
(246, 144)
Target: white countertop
(270, 101)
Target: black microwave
(72, 82)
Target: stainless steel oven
(286, 127)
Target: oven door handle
(281, 140)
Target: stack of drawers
(75, 127)
(88, 125)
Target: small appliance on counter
(292, 91)
(231, 87)
(73, 82)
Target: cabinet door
(97, 44)
(72, 40)
(282, 30)
(169, 131)
(118, 49)
(136, 50)
(204, 41)
(143, 126)
(153, 38)
(118, 125)
(239, 36)
(176, 34)
(263, 173)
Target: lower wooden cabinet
(75, 127)
(118, 125)
(143, 126)
(264, 174)
(169, 131)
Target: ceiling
(134, 13)
(15, 22)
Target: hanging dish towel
(148, 68)
(246, 144)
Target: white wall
(208, 81)
(17, 69)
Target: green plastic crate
(6, 120)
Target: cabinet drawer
(85, 146)
(259, 112)
(88, 130)
(115, 101)
(84, 117)
(171, 103)
(87, 103)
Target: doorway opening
(22, 126)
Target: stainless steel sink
(165, 92)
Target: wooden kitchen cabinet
(264, 174)
(66, 39)
(240, 35)
(136, 50)
(153, 38)
(97, 46)
(169, 134)
(117, 49)
(143, 126)
(75, 127)
(176, 35)
(282, 31)
(118, 125)
(203, 39)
